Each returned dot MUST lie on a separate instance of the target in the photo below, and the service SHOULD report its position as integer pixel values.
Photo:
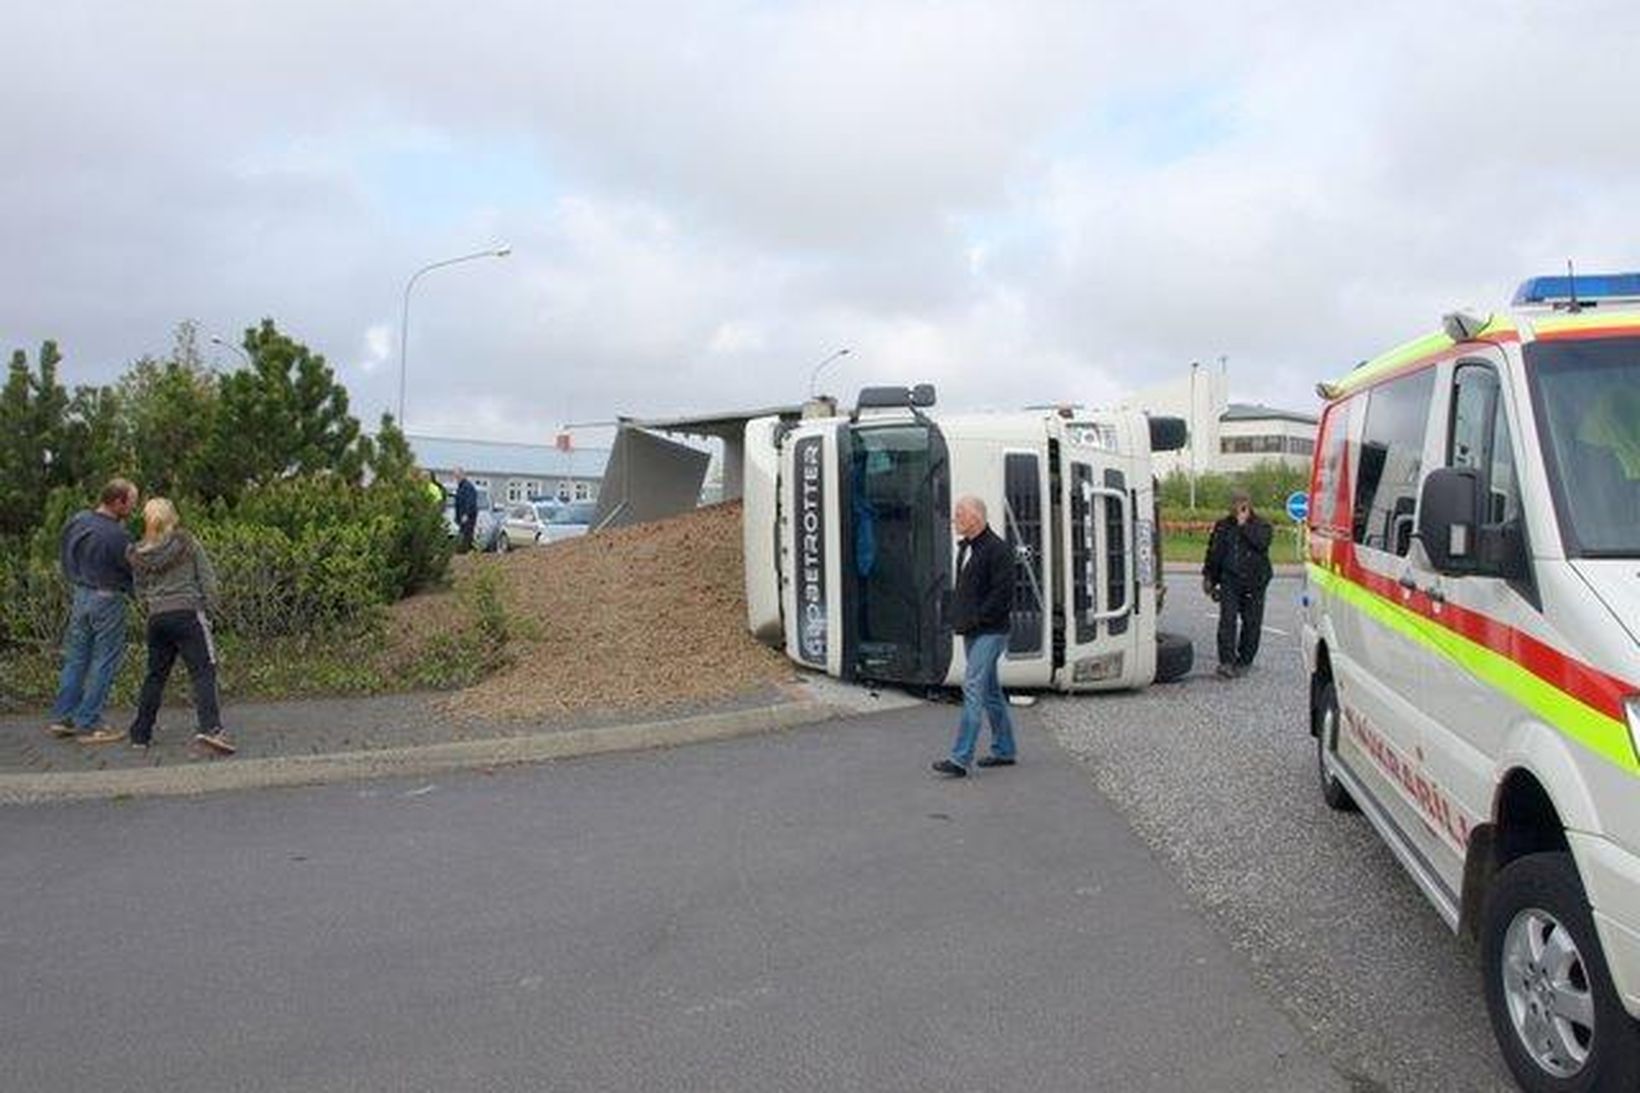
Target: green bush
(1269, 484)
(274, 584)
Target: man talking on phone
(1236, 573)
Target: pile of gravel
(646, 617)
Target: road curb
(306, 770)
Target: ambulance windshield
(1587, 397)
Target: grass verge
(380, 654)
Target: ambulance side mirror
(1449, 510)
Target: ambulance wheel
(1326, 740)
(1174, 656)
(1549, 993)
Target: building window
(1300, 445)
(563, 491)
(515, 490)
(481, 483)
(583, 492)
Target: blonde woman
(175, 582)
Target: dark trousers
(170, 633)
(1243, 602)
(466, 528)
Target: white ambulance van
(850, 554)
(1472, 632)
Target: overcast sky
(1020, 202)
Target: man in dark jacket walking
(92, 553)
(466, 510)
(981, 611)
(1236, 573)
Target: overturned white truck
(849, 547)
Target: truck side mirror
(1449, 509)
(1168, 434)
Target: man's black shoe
(950, 769)
(994, 761)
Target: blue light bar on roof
(1590, 286)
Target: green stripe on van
(1605, 736)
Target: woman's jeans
(93, 647)
(171, 633)
(982, 694)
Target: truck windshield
(900, 546)
(1587, 397)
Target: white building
(1250, 435)
(1225, 437)
(514, 472)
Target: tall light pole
(815, 375)
(404, 323)
(224, 343)
(1194, 367)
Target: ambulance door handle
(1434, 592)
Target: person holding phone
(1236, 573)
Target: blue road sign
(1298, 505)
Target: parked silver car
(571, 520)
(527, 520)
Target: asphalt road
(809, 910)
(1219, 778)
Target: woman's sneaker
(215, 741)
(103, 736)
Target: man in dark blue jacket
(1236, 573)
(92, 553)
(982, 612)
(466, 510)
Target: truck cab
(850, 553)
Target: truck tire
(1326, 740)
(1174, 657)
(1549, 993)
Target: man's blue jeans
(981, 695)
(92, 651)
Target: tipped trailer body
(850, 553)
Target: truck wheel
(1554, 1011)
(1326, 740)
(1174, 656)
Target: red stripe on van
(1584, 682)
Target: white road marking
(1273, 630)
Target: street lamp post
(404, 322)
(1194, 367)
(224, 343)
(815, 375)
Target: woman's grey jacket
(173, 574)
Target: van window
(1392, 450)
(1325, 511)
(1479, 439)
